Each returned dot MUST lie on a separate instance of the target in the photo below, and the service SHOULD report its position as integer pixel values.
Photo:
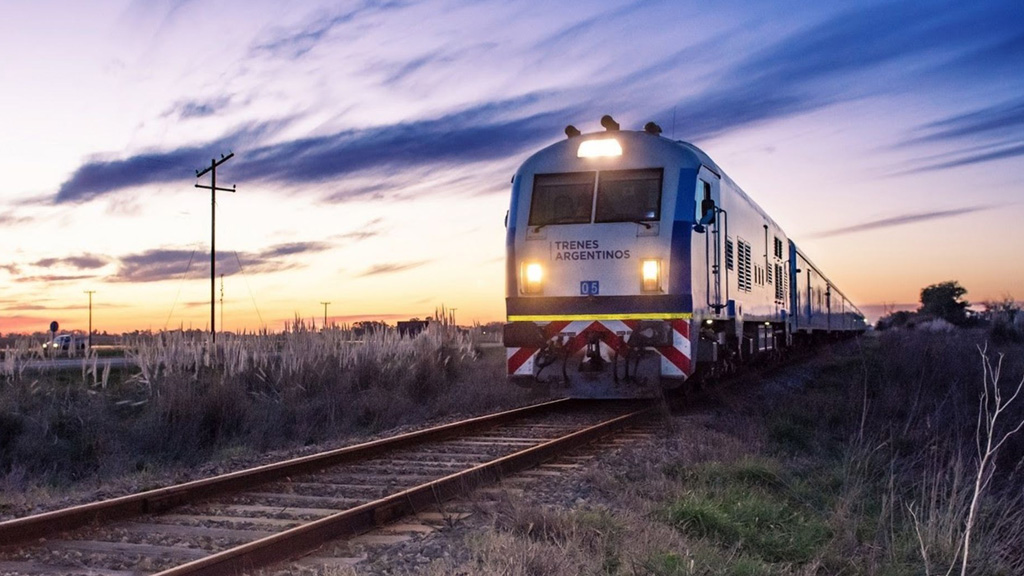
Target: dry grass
(862, 462)
(185, 402)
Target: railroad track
(252, 518)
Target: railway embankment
(862, 460)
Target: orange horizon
(78, 323)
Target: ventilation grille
(743, 272)
(728, 253)
(785, 287)
(780, 290)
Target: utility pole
(213, 230)
(90, 293)
(325, 314)
(222, 301)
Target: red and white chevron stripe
(675, 359)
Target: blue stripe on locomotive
(680, 266)
(511, 274)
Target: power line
(251, 295)
(180, 282)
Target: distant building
(410, 328)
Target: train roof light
(599, 148)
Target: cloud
(356, 237)
(1006, 118)
(479, 133)
(295, 43)
(402, 71)
(98, 177)
(22, 307)
(998, 127)
(187, 109)
(855, 54)
(49, 278)
(898, 221)
(978, 158)
(196, 304)
(83, 262)
(12, 220)
(471, 135)
(292, 248)
(877, 49)
(12, 269)
(165, 264)
(345, 191)
(1002, 50)
(369, 230)
(378, 269)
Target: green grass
(751, 507)
(704, 561)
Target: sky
(374, 142)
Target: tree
(942, 300)
(366, 327)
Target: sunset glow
(374, 143)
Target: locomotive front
(598, 277)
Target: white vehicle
(66, 342)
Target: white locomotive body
(634, 262)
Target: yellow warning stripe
(573, 317)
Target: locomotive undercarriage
(596, 361)
(722, 349)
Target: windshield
(629, 195)
(562, 198)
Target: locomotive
(635, 264)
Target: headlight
(533, 276)
(651, 273)
(599, 148)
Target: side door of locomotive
(711, 217)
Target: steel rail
(20, 530)
(297, 541)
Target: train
(634, 265)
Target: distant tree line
(944, 303)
